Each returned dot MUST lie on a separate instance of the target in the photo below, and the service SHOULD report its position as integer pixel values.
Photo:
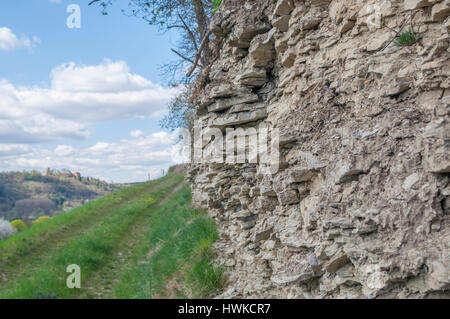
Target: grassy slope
(144, 241)
(179, 242)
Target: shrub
(407, 38)
(40, 219)
(6, 230)
(18, 225)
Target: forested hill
(28, 195)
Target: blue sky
(86, 99)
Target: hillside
(143, 241)
(28, 195)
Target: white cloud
(64, 150)
(137, 133)
(106, 77)
(13, 149)
(40, 128)
(100, 148)
(143, 147)
(78, 96)
(9, 41)
(123, 161)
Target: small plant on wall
(407, 38)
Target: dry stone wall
(360, 205)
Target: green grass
(407, 38)
(179, 243)
(167, 241)
(26, 242)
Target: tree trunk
(202, 21)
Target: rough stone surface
(360, 204)
(415, 4)
(440, 11)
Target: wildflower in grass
(6, 230)
(150, 200)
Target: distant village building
(66, 174)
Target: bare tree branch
(182, 56)
(199, 54)
(191, 34)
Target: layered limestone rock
(359, 206)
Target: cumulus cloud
(9, 41)
(137, 133)
(78, 96)
(139, 150)
(64, 150)
(106, 77)
(123, 161)
(40, 128)
(7, 150)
